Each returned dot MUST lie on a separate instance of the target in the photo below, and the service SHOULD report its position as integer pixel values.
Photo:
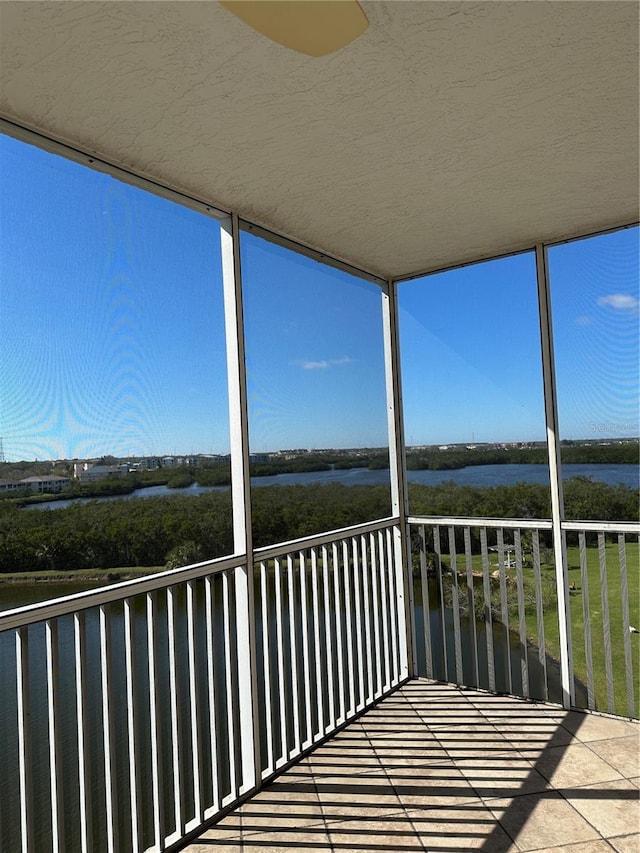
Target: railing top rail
(602, 526)
(21, 616)
(451, 521)
(535, 523)
(269, 551)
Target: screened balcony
(427, 240)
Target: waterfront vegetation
(462, 457)
(116, 540)
(124, 573)
(208, 471)
(178, 529)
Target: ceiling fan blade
(314, 27)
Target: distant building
(49, 484)
(212, 458)
(101, 472)
(11, 486)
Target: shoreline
(82, 575)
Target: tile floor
(435, 768)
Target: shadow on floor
(436, 768)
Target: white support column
(241, 498)
(398, 473)
(555, 474)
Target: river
(476, 475)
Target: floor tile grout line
(320, 806)
(453, 764)
(606, 760)
(475, 790)
(549, 783)
(405, 812)
(344, 818)
(312, 826)
(412, 706)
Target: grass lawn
(619, 627)
(124, 573)
(618, 624)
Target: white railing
(487, 615)
(134, 714)
(330, 625)
(128, 720)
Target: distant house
(47, 483)
(10, 486)
(213, 459)
(101, 472)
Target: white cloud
(584, 320)
(619, 301)
(325, 363)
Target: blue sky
(314, 341)
(471, 346)
(112, 333)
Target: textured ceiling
(447, 132)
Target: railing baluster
(25, 755)
(606, 626)
(542, 653)
(306, 672)
(132, 722)
(488, 614)
(357, 600)
(393, 605)
(375, 603)
(55, 753)
(504, 607)
(586, 613)
(348, 612)
(316, 644)
(108, 725)
(626, 636)
(212, 734)
(157, 774)
(82, 721)
(368, 657)
(443, 625)
(384, 605)
(328, 641)
(266, 663)
(472, 604)
(455, 599)
(337, 572)
(284, 748)
(524, 659)
(426, 609)
(229, 692)
(176, 713)
(293, 648)
(194, 706)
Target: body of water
(476, 475)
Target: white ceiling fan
(314, 27)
